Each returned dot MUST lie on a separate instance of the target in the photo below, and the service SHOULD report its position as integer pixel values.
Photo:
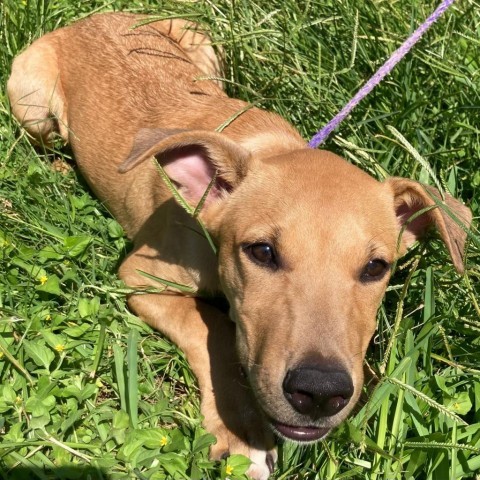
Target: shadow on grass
(62, 473)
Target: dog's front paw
(263, 463)
(240, 428)
(258, 446)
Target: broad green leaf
(203, 442)
(36, 407)
(34, 271)
(460, 404)
(114, 229)
(88, 391)
(40, 421)
(15, 434)
(174, 464)
(71, 391)
(39, 353)
(121, 419)
(8, 394)
(442, 384)
(155, 438)
(75, 246)
(161, 476)
(452, 181)
(131, 447)
(52, 286)
(239, 463)
(49, 253)
(52, 229)
(4, 406)
(88, 306)
(53, 340)
(77, 331)
(177, 442)
(147, 457)
(105, 462)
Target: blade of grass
(119, 360)
(412, 151)
(168, 283)
(99, 349)
(4, 350)
(132, 372)
(427, 400)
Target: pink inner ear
(191, 169)
(415, 228)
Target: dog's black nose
(318, 391)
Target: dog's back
(100, 82)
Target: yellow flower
(228, 469)
(18, 400)
(163, 441)
(43, 279)
(48, 317)
(60, 348)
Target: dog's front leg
(207, 337)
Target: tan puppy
(305, 240)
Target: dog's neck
(267, 144)
(264, 134)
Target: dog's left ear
(192, 159)
(450, 217)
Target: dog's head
(306, 246)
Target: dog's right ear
(192, 159)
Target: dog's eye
(374, 270)
(262, 254)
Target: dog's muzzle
(317, 393)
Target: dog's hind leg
(197, 45)
(35, 92)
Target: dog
(305, 241)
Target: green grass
(88, 391)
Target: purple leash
(381, 73)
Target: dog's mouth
(300, 434)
